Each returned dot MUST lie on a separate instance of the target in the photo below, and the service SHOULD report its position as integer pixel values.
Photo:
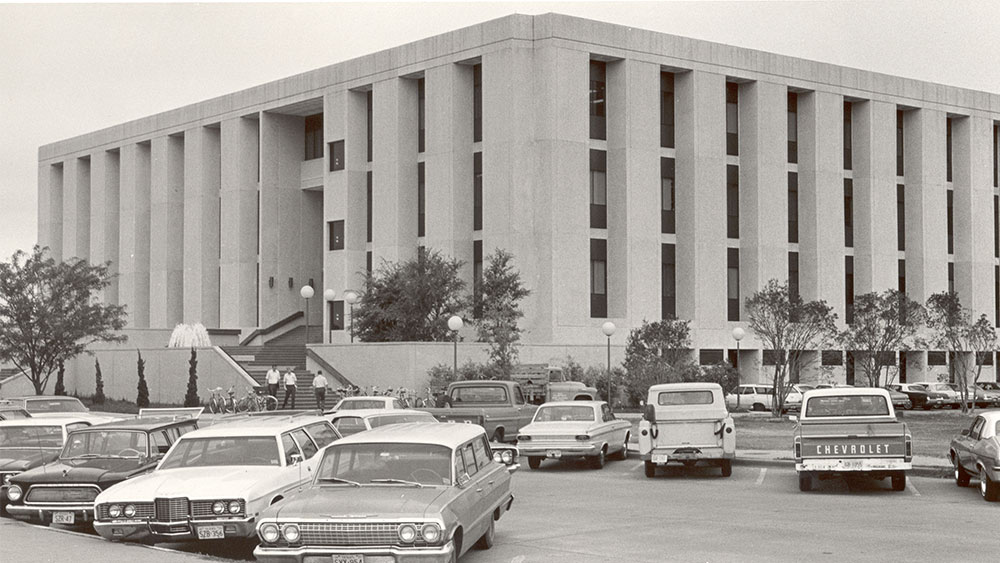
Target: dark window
(848, 213)
(732, 201)
(336, 235)
(369, 125)
(421, 118)
(598, 190)
(477, 273)
(996, 295)
(901, 267)
(793, 275)
(668, 281)
(793, 127)
(336, 315)
(951, 222)
(668, 197)
(370, 202)
(710, 357)
(477, 103)
(336, 156)
(951, 277)
(598, 278)
(733, 283)
(772, 357)
(848, 157)
(996, 155)
(996, 226)
(793, 207)
(732, 119)
(421, 199)
(849, 289)
(948, 146)
(667, 110)
(368, 261)
(832, 358)
(900, 217)
(477, 191)
(314, 136)
(598, 106)
(937, 358)
(902, 367)
(984, 358)
(899, 142)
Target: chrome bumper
(853, 465)
(666, 455)
(187, 530)
(309, 553)
(81, 512)
(566, 449)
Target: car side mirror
(649, 413)
(965, 432)
(463, 480)
(296, 459)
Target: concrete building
(632, 174)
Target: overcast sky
(71, 69)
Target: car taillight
(909, 449)
(798, 449)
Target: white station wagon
(214, 482)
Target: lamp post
(307, 292)
(352, 297)
(738, 334)
(329, 295)
(455, 324)
(608, 329)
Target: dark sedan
(975, 454)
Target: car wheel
(650, 469)
(486, 541)
(898, 481)
(961, 477)
(623, 455)
(534, 462)
(758, 407)
(989, 489)
(805, 481)
(727, 467)
(597, 462)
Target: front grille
(143, 510)
(169, 528)
(350, 534)
(69, 495)
(203, 509)
(171, 509)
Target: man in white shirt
(290, 381)
(319, 388)
(272, 379)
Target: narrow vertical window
(901, 274)
(848, 213)
(336, 235)
(848, 156)
(793, 275)
(793, 127)
(996, 226)
(421, 199)
(849, 289)
(421, 115)
(996, 296)
(996, 156)
(732, 119)
(336, 156)
(899, 142)
(951, 222)
(477, 191)
(368, 262)
(900, 217)
(598, 106)
(477, 103)
(948, 146)
(793, 207)
(598, 278)
(368, 219)
(951, 277)
(336, 315)
(598, 190)
(477, 274)
(667, 110)
(668, 197)
(368, 126)
(668, 281)
(313, 137)
(733, 283)
(732, 201)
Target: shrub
(98, 383)
(142, 399)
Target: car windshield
(385, 420)
(31, 437)
(565, 414)
(106, 443)
(54, 405)
(682, 398)
(847, 405)
(803, 388)
(358, 404)
(372, 463)
(203, 452)
(10, 414)
(940, 387)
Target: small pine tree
(191, 398)
(142, 399)
(98, 384)
(60, 381)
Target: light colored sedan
(358, 403)
(353, 421)
(574, 429)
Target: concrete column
(104, 209)
(821, 199)
(202, 182)
(874, 156)
(50, 208)
(166, 280)
(395, 169)
(239, 239)
(701, 195)
(972, 175)
(924, 142)
(76, 208)
(634, 269)
(133, 247)
(763, 110)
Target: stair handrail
(249, 380)
(268, 330)
(344, 382)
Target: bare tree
(952, 329)
(884, 323)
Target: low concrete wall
(17, 385)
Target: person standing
(290, 381)
(272, 378)
(319, 388)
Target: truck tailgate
(854, 440)
(682, 433)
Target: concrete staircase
(256, 360)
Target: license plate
(660, 458)
(349, 558)
(63, 518)
(210, 533)
(853, 464)
(553, 453)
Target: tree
(191, 397)
(496, 312)
(787, 326)
(411, 301)
(48, 313)
(98, 383)
(657, 352)
(883, 324)
(142, 399)
(952, 330)
(60, 381)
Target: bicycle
(219, 404)
(256, 400)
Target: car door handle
(479, 490)
(490, 482)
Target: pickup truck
(850, 431)
(497, 406)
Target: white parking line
(760, 479)
(909, 485)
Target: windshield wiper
(99, 456)
(338, 480)
(85, 456)
(399, 481)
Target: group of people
(290, 383)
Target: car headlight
(523, 438)
(14, 493)
(218, 507)
(269, 533)
(407, 533)
(583, 437)
(497, 458)
(290, 533)
(115, 511)
(506, 457)
(431, 532)
(129, 510)
(234, 506)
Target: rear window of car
(681, 398)
(485, 395)
(565, 414)
(31, 437)
(54, 405)
(376, 421)
(847, 405)
(358, 404)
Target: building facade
(634, 175)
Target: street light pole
(738, 334)
(352, 297)
(455, 324)
(608, 329)
(329, 295)
(307, 292)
